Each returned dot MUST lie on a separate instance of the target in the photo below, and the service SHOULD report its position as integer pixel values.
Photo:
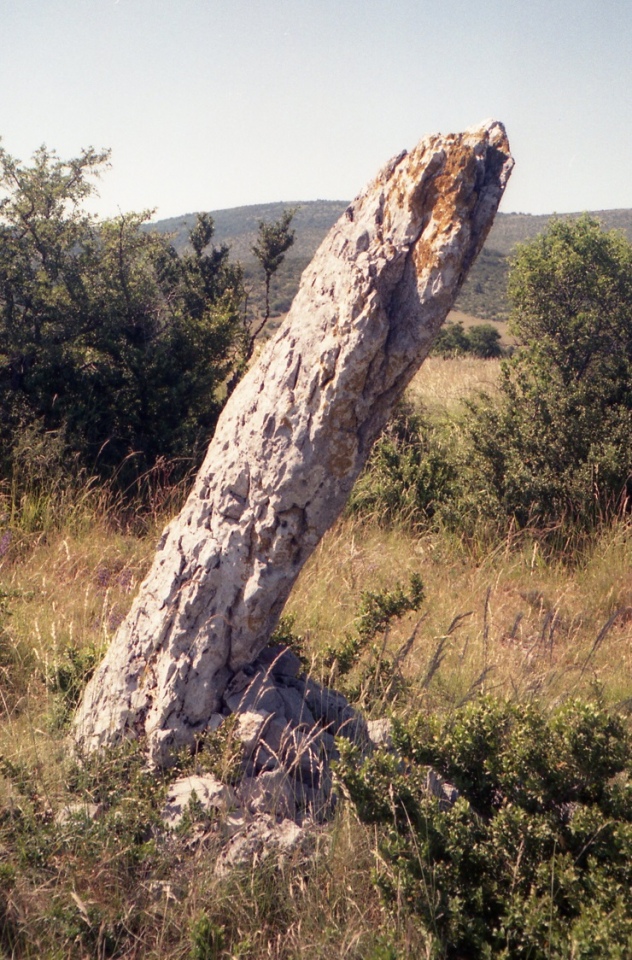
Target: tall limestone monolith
(293, 438)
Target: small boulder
(280, 661)
(295, 707)
(260, 694)
(79, 810)
(249, 729)
(271, 792)
(446, 793)
(261, 838)
(381, 733)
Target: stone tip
(490, 126)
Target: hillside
(512, 228)
(483, 294)
(238, 226)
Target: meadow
(502, 618)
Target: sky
(208, 104)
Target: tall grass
(512, 621)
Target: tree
(109, 341)
(484, 341)
(558, 443)
(275, 239)
(554, 447)
(451, 341)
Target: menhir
(293, 438)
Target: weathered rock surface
(380, 733)
(283, 798)
(286, 752)
(262, 837)
(82, 810)
(280, 806)
(292, 440)
(210, 793)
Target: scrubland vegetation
(506, 625)
(478, 591)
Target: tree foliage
(554, 447)
(557, 444)
(110, 342)
(275, 239)
(409, 473)
(482, 340)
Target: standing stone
(293, 438)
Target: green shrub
(557, 442)
(481, 340)
(377, 611)
(113, 349)
(451, 341)
(534, 859)
(553, 449)
(207, 940)
(484, 341)
(410, 471)
(68, 677)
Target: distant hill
(238, 226)
(512, 228)
(483, 294)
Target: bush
(451, 341)
(485, 341)
(482, 340)
(409, 472)
(113, 349)
(554, 449)
(556, 445)
(379, 681)
(534, 858)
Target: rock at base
(213, 796)
(284, 798)
(264, 837)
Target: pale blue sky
(218, 103)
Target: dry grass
(528, 626)
(512, 622)
(441, 385)
(64, 593)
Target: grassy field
(442, 385)
(504, 619)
